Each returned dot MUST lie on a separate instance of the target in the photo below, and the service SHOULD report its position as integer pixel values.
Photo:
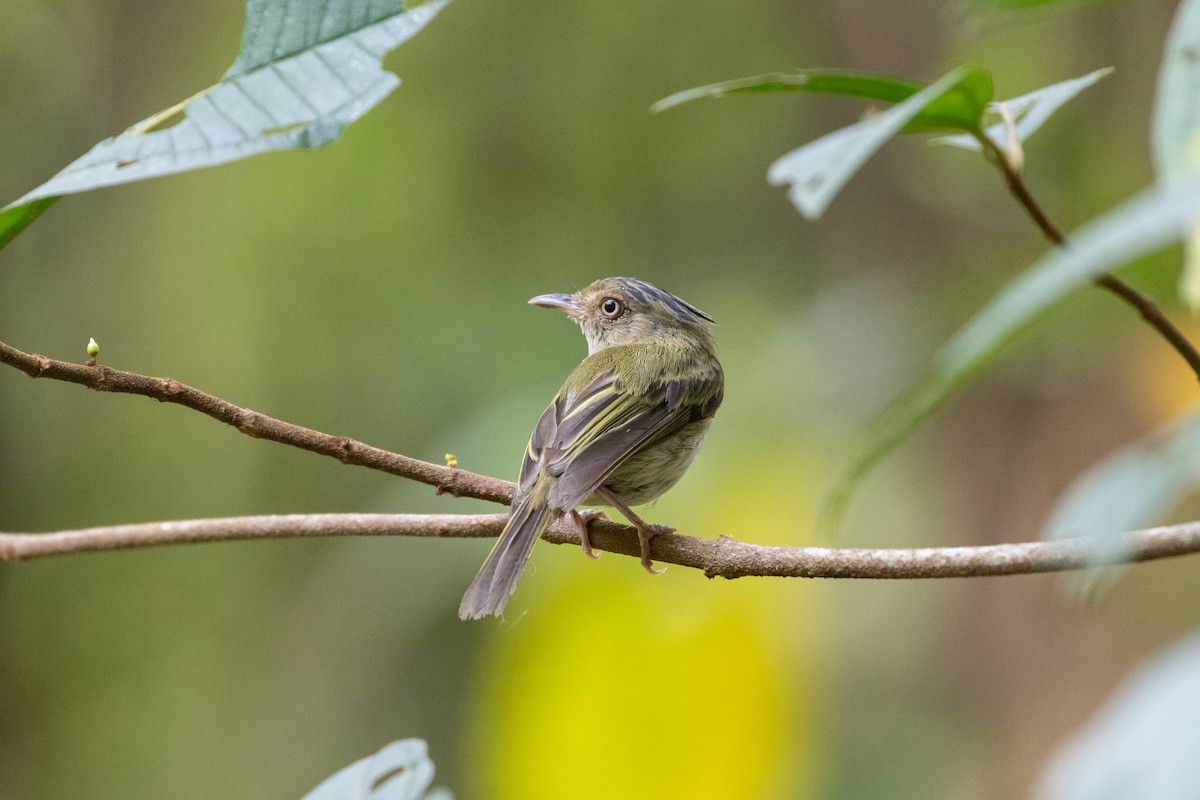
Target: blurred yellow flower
(614, 684)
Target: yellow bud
(93, 349)
(451, 461)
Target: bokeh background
(377, 289)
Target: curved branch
(458, 482)
(723, 557)
(1144, 305)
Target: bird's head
(614, 311)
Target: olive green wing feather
(579, 440)
(530, 515)
(564, 421)
(598, 429)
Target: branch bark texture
(457, 482)
(723, 557)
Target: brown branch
(721, 557)
(22, 546)
(105, 379)
(724, 556)
(1145, 305)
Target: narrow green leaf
(821, 81)
(17, 218)
(1142, 744)
(1139, 226)
(401, 770)
(817, 171)
(958, 109)
(1175, 131)
(307, 69)
(1022, 5)
(1029, 111)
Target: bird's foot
(645, 534)
(582, 518)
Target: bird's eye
(611, 307)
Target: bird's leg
(582, 518)
(645, 532)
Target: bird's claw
(582, 518)
(649, 567)
(645, 534)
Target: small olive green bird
(621, 431)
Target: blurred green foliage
(305, 71)
(377, 289)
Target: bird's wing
(582, 438)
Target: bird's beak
(563, 302)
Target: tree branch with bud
(720, 557)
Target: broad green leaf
(402, 770)
(1139, 226)
(1144, 744)
(817, 171)
(1175, 131)
(1176, 127)
(1029, 111)
(820, 81)
(957, 109)
(307, 68)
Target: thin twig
(721, 557)
(1145, 306)
(458, 482)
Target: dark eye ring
(611, 307)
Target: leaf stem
(1144, 304)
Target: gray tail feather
(497, 578)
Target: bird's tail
(497, 578)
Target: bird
(621, 431)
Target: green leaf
(820, 81)
(1021, 5)
(1132, 488)
(1029, 111)
(17, 218)
(306, 69)
(1175, 131)
(1143, 743)
(1176, 126)
(958, 109)
(817, 171)
(1139, 226)
(401, 770)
